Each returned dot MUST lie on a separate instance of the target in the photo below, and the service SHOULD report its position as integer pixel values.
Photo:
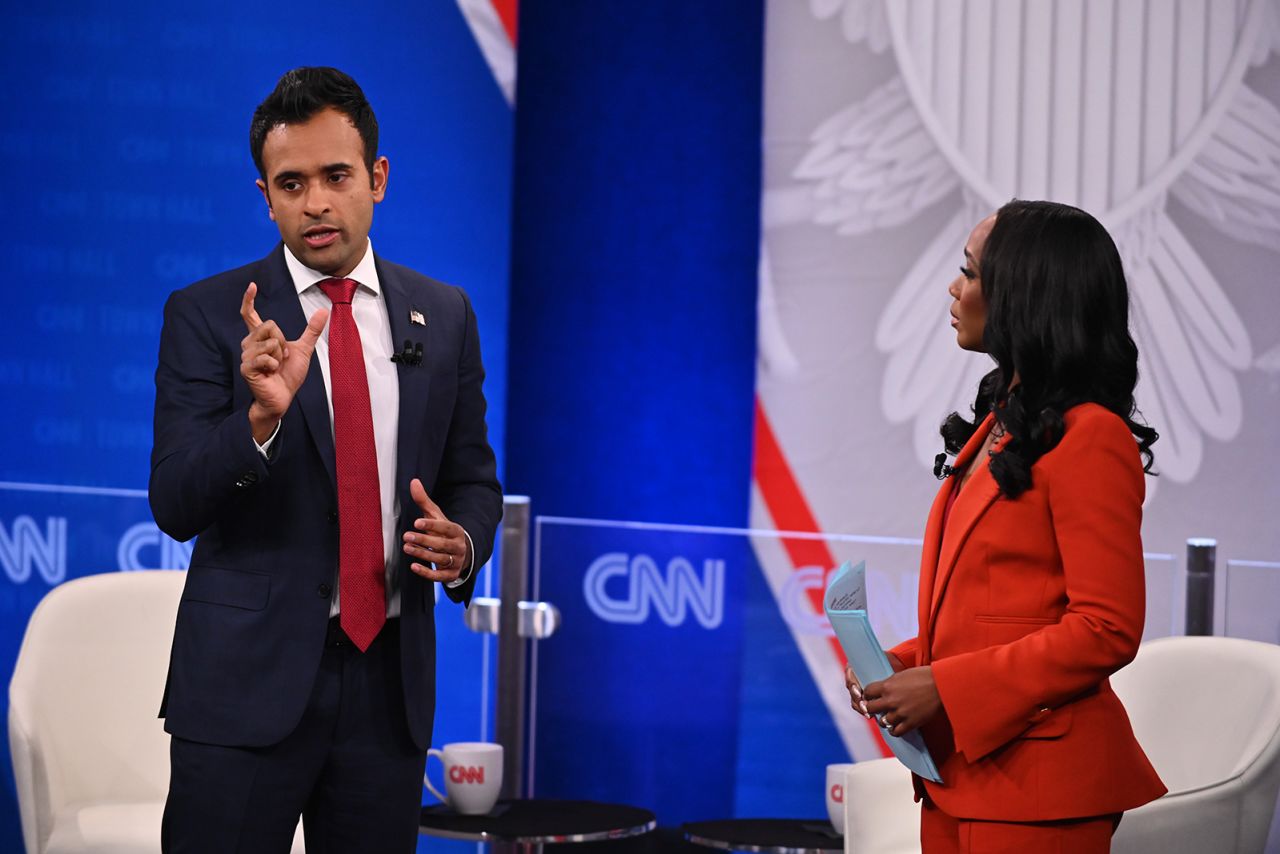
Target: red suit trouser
(942, 834)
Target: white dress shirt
(372, 322)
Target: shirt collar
(365, 273)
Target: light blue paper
(846, 605)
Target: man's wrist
(468, 561)
(262, 423)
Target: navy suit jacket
(253, 616)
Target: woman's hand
(905, 701)
(851, 682)
(855, 692)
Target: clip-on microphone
(410, 355)
(941, 470)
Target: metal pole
(1202, 556)
(513, 662)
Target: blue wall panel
(634, 247)
(634, 251)
(125, 131)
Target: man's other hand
(439, 544)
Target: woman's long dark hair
(1058, 317)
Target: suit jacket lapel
(415, 380)
(278, 300)
(929, 565)
(973, 500)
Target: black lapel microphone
(410, 355)
(941, 470)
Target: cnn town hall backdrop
(682, 327)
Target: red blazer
(1026, 607)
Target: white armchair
(1207, 712)
(90, 756)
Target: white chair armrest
(26, 778)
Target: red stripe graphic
(790, 512)
(507, 10)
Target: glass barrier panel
(695, 674)
(1247, 585)
(1166, 595)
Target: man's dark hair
(303, 92)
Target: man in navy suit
(319, 424)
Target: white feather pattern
(926, 375)
(1203, 308)
(860, 20)
(1191, 343)
(1181, 445)
(873, 164)
(1234, 182)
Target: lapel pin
(417, 317)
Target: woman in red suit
(1032, 589)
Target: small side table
(528, 825)
(771, 835)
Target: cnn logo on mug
(466, 774)
(472, 776)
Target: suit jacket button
(323, 590)
(333, 517)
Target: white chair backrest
(1203, 708)
(87, 686)
(880, 812)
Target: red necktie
(361, 565)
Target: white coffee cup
(472, 775)
(835, 794)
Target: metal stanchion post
(1201, 561)
(516, 622)
(513, 661)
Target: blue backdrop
(633, 302)
(633, 261)
(126, 127)
(631, 228)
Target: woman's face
(969, 311)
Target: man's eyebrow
(328, 169)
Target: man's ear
(266, 196)
(378, 178)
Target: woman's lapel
(974, 499)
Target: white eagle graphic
(1111, 106)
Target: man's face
(319, 192)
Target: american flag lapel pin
(416, 317)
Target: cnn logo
(619, 589)
(466, 774)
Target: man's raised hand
(273, 367)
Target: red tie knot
(339, 291)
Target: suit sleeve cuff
(265, 447)
(908, 652)
(466, 573)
